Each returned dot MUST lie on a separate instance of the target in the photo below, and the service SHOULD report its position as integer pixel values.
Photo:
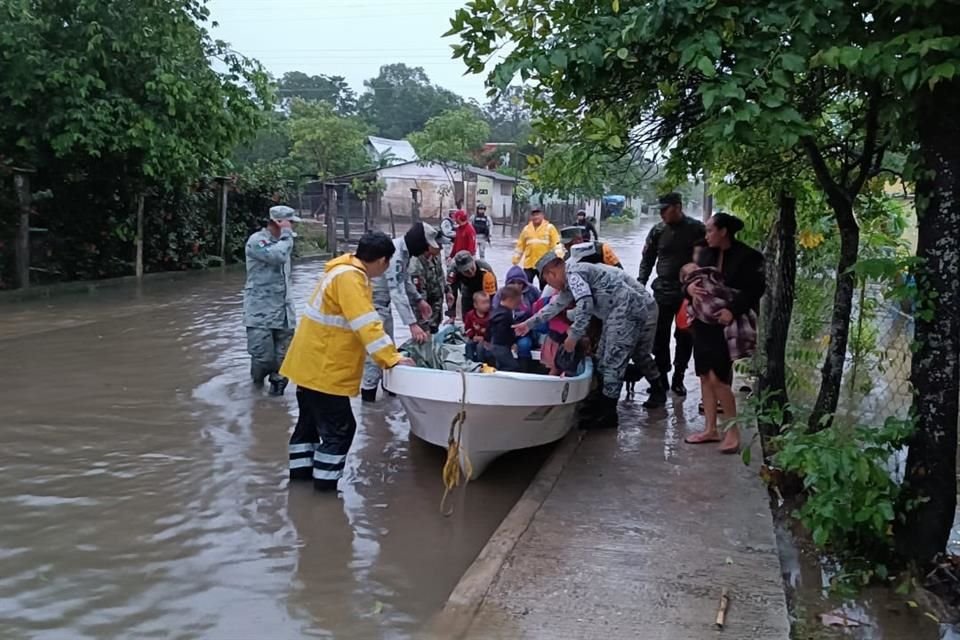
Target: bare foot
(731, 443)
(703, 437)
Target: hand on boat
(569, 344)
(425, 310)
(419, 335)
(521, 329)
(407, 362)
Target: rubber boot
(605, 416)
(368, 395)
(278, 386)
(678, 387)
(257, 374)
(658, 395)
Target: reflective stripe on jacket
(338, 329)
(534, 242)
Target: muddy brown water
(144, 493)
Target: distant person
(742, 270)
(466, 237)
(394, 290)
(475, 325)
(481, 224)
(338, 330)
(669, 246)
(587, 223)
(467, 276)
(268, 310)
(536, 239)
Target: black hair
(702, 242)
(731, 223)
(416, 239)
(374, 245)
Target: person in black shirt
(500, 333)
(587, 223)
(481, 224)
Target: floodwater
(144, 493)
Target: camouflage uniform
(626, 309)
(426, 272)
(268, 311)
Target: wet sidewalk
(635, 537)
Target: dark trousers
(323, 435)
(661, 343)
(533, 273)
(503, 358)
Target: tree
(271, 142)
(401, 99)
(333, 90)
(324, 142)
(452, 138)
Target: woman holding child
(725, 287)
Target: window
(506, 188)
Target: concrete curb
(457, 616)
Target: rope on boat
(451, 468)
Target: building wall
(436, 190)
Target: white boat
(504, 411)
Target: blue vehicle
(612, 206)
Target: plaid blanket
(741, 334)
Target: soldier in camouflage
(426, 271)
(626, 309)
(268, 311)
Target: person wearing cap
(339, 328)
(669, 246)
(468, 276)
(536, 239)
(395, 290)
(481, 224)
(625, 308)
(587, 223)
(269, 314)
(466, 237)
(579, 249)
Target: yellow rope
(451, 468)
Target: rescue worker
(268, 310)
(587, 223)
(536, 239)
(468, 276)
(580, 250)
(339, 327)
(670, 245)
(627, 312)
(426, 272)
(396, 289)
(481, 224)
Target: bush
(628, 213)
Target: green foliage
(326, 143)
(333, 90)
(452, 137)
(402, 99)
(851, 494)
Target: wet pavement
(143, 483)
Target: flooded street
(144, 489)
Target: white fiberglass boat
(504, 411)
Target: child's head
(510, 297)
(481, 302)
(687, 270)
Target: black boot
(658, 395)
(604, 417)
(368, 395)
(678, 387)
(257, 374)
(278, 386)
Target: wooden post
(223, 220)
(503, 217)
(139, 240)
(366, 215)
(331, 221)
(393, 225)
(346, 215)
(21, 183)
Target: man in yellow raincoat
(536, 239)
(338, 329)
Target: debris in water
(377, 608)
(839, 618)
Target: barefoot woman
(743, 271)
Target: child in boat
(556, 334)
(475, 327)
(529, 295)
(500, 333)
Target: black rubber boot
(257, 375)
(368, 395)
(678, 387)
(277, 387)
(604, 417)
(658, 395)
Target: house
(386, 152)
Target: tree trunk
(21, 184)
(139, 239)
(832, 372)
(935, 371)
(773, 379)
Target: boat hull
(504, 411)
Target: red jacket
(465, 240)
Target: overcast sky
(347, 38)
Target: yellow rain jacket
(337, 330)
(534, 242)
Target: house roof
(401, 150)
(487, 173)
(374, 171)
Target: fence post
(366, 216)
(223, 219)
(393, 226)
(331, 221)
(139, 240)
(346, 215)
(21, 183)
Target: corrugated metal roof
(491, 174)
(400, 151)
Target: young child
(741, 334)
(556, 334)
(475, 327)
(500, 332)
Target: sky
(347, 38)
